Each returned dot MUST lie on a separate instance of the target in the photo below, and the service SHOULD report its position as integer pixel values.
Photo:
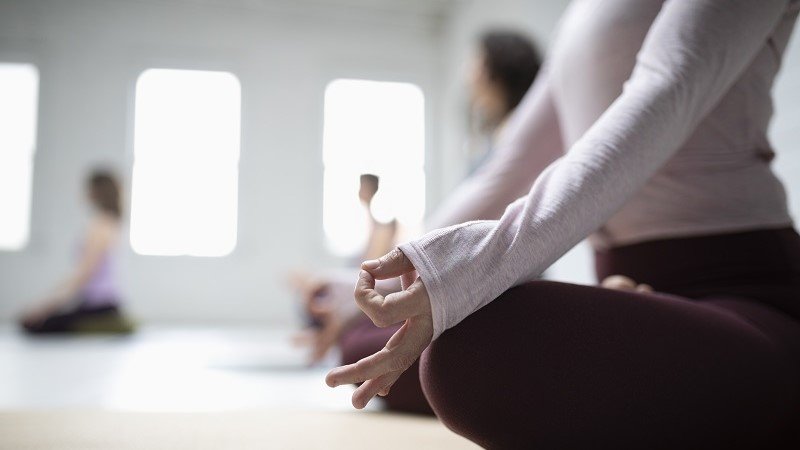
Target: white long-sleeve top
(660, 109)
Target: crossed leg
(553, 365)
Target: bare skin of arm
(381, 240)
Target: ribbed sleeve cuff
(415, 251)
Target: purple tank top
(102, 288)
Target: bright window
(377, 128)
(19, 97)
(186, 158)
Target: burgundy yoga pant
(711, 360)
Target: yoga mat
(96, 430)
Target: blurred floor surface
(222, 431)
(230, 387)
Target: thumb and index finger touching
(393, 264)
(395, 307)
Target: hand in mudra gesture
(411, 305)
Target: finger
(365, 369)
(392, 377)
(364, 393)
(412, 338)
(398, 354)
(390, 265)
(644, 288)
(402, 305)
(367, 298)
(395, 307)
(407, 279)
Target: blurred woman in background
(88, 300)
(502, 69)
(381, 233)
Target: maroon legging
(712, 360)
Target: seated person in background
(381, 234)
(504, 67)
(314, 290)
(501, 71)
(88, 300)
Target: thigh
(555, 365)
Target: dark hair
(371, 179)
(104, 191)
(512, 61)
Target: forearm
(672, 88)
(570, 199)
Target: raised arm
(529, 142)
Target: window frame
(200, 67)
(27, 221)
(424, 163)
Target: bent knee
(459, 390)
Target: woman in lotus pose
(657, 113)
(89, 299)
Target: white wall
(785, 130)
(89, 54)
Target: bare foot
(623, 283)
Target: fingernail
(371, 264)
(330, 381)
(364, 274)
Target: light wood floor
(187, 388)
